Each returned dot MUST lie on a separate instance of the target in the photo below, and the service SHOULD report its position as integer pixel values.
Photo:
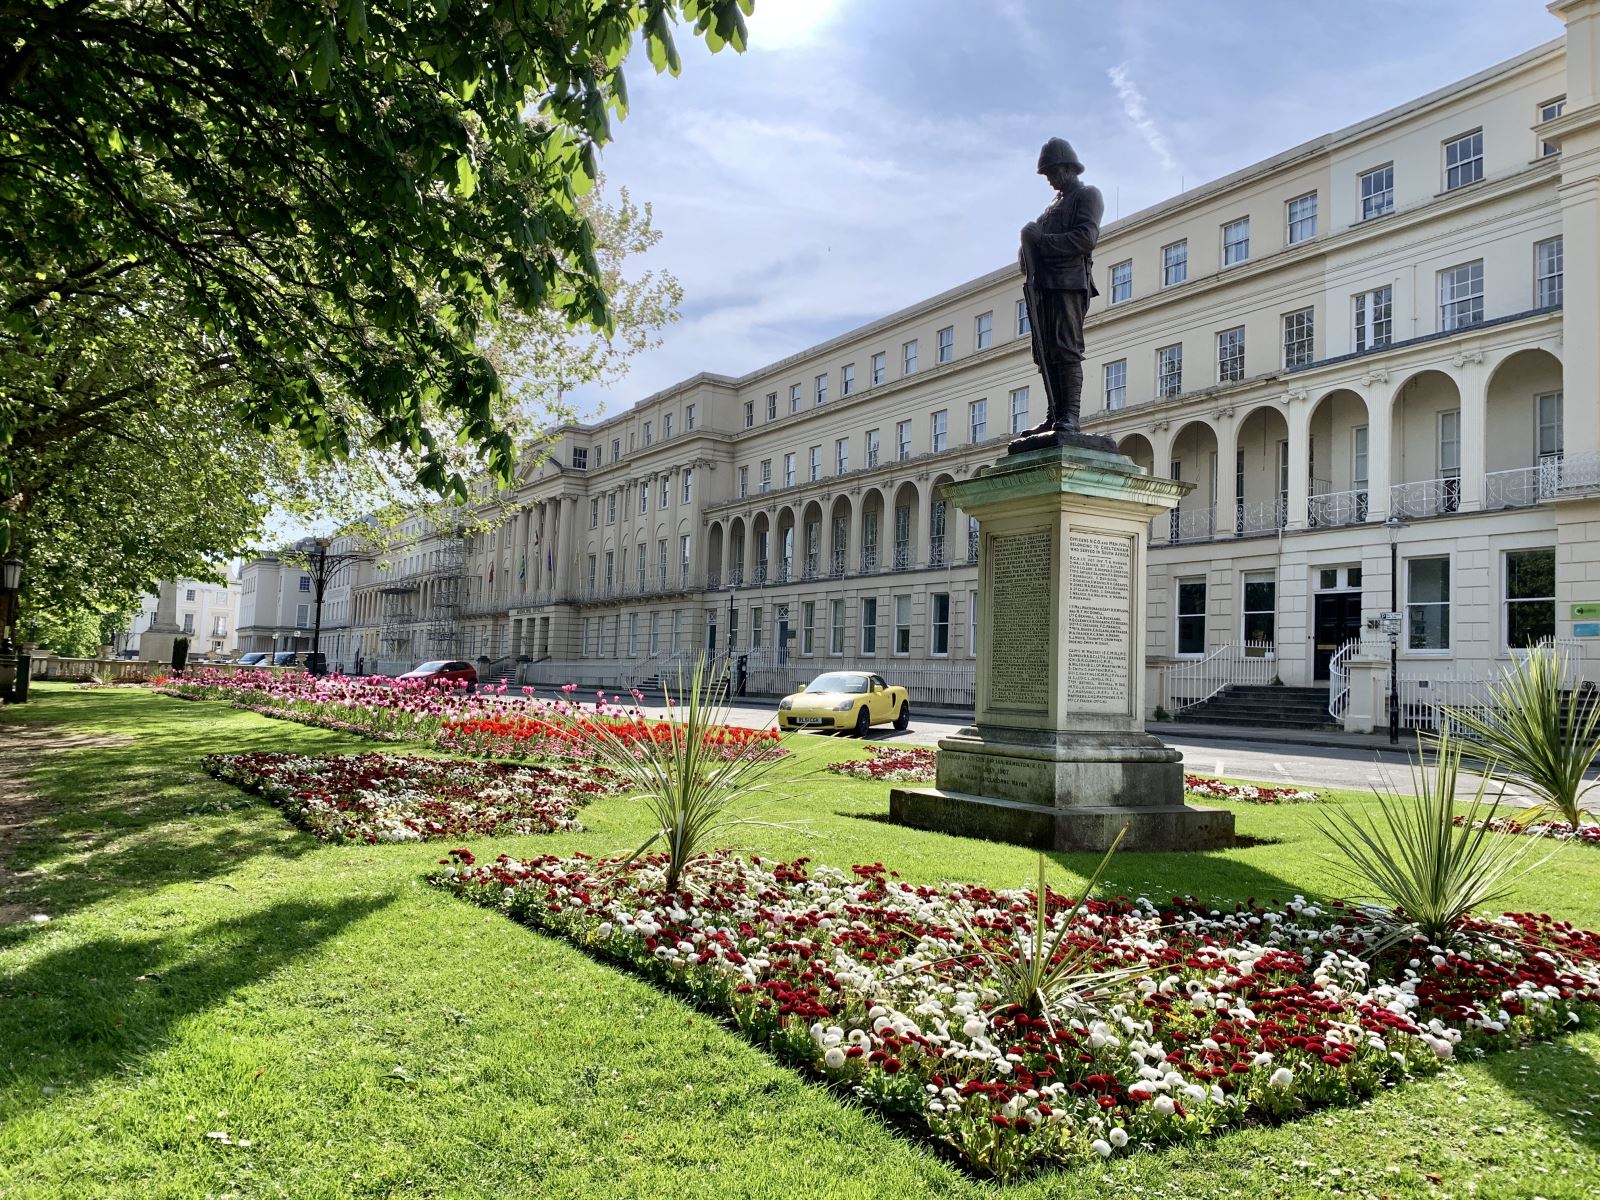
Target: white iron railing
(1261, 516)
(1425, 693)
(1425, 498)
(1332, 509)
(1245, 664)
(1552, 476)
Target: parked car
(286, 658)
(855, 700)
(445, 670)
(256, 658)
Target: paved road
(1275, 759)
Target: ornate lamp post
(322, 567)
(1391, 626)
(15, 689)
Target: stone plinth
(1058, 756)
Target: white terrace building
(1373, 324)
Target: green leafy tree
(338, 199)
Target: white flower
(1164, 1105)
(834, 1058)
(974, 1027)
(1101, 1147)
(1281, 1078)
(1118, 1137)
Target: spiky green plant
(1037, 969)
(1415, 857)
(1536, 737)
(689, 784)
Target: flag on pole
(522, 571)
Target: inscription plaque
(1099, 611)
(1019, 620)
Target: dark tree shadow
(101, 1006)
(1555, 1078)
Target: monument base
(1151, 827)
(1044, 437)
(156, 645)
(1062, 790)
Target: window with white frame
(880, 368)
(983, 331)
(1260, 608)
(766, 474)
(644, 497)
(1019, 409)
(841, 456)
(655, 632)
(1120, 280)
(744, 482)
(1169, 370)
(1449, 444)
(908, 357)
(1547, 419)
(1302, 218)
(1299, 337)
(1547, 273)
(939, 431)
(305, 580)
(1024, 324)
(611, 508)
(688, 416)
(665, 497)
(1236, 241)
(902, 440)
(847, 379)
(836, 627)
(594, 513)
(749, 414)
(649, 432)
(1463, 160)
(1428, 603)
(815, 463)
(758, 625)
(666, 425)
(591, 572)
(1116, 383)
(972, 624)
(616, 449)
(902, 625)
(796, 390)
(946, 342)
(1174, 263)
(1374, 319)
(977, 421)
(772, 406)
(1529, 598)
(808, 627)
(1230, 355)
(869, 625)
(1549, 110)
(1377, 192)
(1358, 458)
(873, 442)
(611, 569)
(580, 458)
(633, 635)
(939, 624)
(822, 389)
(641, 565)
(688, 486)
(788, 469)
(1461, 295)
(1191, 616)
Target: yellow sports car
(855, 700)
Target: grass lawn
(208, 968)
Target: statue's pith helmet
(1058, 152)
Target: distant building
(208, 614)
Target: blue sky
(864, 154)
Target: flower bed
(891, 764)
(1251, 793)
(1241, 1015)
(1558, 831)
(487, 722)
(403, 798)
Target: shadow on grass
(1555, 1078)
(103, 821)
(101, 1006)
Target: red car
(443, 670)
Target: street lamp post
(14, 690)
(1392, 625)
(323, 566)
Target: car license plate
(808, 720)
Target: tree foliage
(334, 200)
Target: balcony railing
(903, 560)
(1260, 516)
(1332, 509)
(836, 564)
(1554, 475)
(1185, 525)
(936, 551)
(1425, 498)
(812, 561)
(869, 561)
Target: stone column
(1227, 499)
(1058, 756)
(1472, 380)
(1298, 418)
(156, 643)
(1380, 416)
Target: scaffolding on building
(421, 614)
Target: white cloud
(1133, 107)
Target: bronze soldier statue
(1057, 260)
